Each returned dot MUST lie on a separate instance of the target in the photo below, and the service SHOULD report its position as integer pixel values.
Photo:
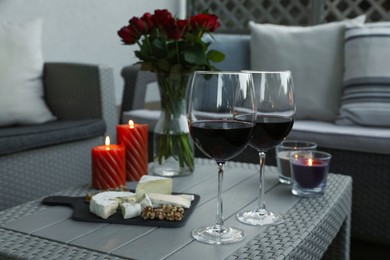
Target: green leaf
(215, 56)
(163, 65)
(171, 54)
(159, 43)
(195, 55)
(138, 54)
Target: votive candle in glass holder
(309, 171)
(283, 151)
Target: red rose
(175, 29)
(139, 26)
(206, 21)
(147, 19)
(182, 24)
(161, 18)
(213, 23)
(128, 35)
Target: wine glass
(221, 116)
(274, 92)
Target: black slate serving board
(81, 213)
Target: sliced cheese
(105, 204)
(145, 201)
(174, 200)
(189, 197)
(153, 184)
(130, 209)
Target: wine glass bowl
(274, 93)
(221, 117)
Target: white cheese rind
(145, 201)
(130, 209)
(105, 204)
(153, 184)
(174, 200)
(189, 197)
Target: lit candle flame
(131, 124)
(107, 143)
(310, 162)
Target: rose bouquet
(167, 44)
(172, 48)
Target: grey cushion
(366, 90)
(236, 50)
(20, 138)
(314, 55)
(350, 138)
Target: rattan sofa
(357, 151)
(37, 160)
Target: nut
(177, 216)
(165, 212)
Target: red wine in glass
(270, 131)
(221, 140)
(274, 91)
(221, 116)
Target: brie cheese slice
(130, 209)
(145, 201)
(174, 200)
(105, 204)
(153, 184)
(189, 197)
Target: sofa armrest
(135, 84)
(80, 91)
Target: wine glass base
(218, 235)
(260, 217)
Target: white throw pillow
(315, 57)
(21, 69)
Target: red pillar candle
(108, 166)
(135, 139)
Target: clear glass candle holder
(283, 151)
(309, 171)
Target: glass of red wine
(274, 93)
(221, 116)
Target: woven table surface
(314, 228)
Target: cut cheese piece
(145, 201)
(174, 200)
(130, 209)
(189, 197)
(153, 184)
(105, 204)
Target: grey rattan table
(313, 228)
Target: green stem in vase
(174, 140)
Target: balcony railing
(235, 14)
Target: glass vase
(173, 148)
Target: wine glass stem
(219, 222)
(260, 201)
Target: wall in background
(86, 30)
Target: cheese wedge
(130, 209)
(159, 199)
(145, 201)
(189, 197)
(153, 184)
(105, 204)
